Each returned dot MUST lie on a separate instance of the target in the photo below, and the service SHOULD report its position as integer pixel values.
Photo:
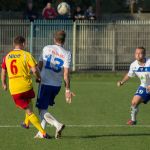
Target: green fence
(95, 45)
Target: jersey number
(13, 67)
(57, 66)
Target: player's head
(140, 53)
(59, 37)
(19, 41)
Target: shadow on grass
(107, 135)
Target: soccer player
(17, 64)
(54, 64)
(140, 68)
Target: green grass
(97, 102)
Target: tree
(12, 5)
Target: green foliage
(19, 5)
(146, 5)
(107, 6)
(12, 5)
(110, 6)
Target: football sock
(26, 121)
(34, 120)
(43, 121)
(49, 118)
(43, 124)
(134, 111)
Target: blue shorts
(46, 96)
(142, 92)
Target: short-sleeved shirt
(55, 58)
(142, 72)
(18, 63)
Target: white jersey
(142, 72)
(54, 58)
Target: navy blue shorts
(46, 96)
(142, 92)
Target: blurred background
(102, 34)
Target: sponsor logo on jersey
(57, 54)
(143, 69)
(13, 56)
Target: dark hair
(142, 48)
(60, 36)
(19, 40)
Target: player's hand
(119, 83)
(69, 95)
(148, 88)
(38, 80)
(4, 87)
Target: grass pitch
(96, 119)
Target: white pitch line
(87, 126)
(109, 126)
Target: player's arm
(68, 93)
(36, 73)
(34, 67)
(3, 78)
(67, 78)
(125, 79)
(128, 75)
(40, 65)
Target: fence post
(31, 37)
(114, 48)
(74, 47)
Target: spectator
(90, 13)
(29, 13)
(49, 12)
(79, 14)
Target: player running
(17, 64)
(140, 68)
(54, 64)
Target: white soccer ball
(63, 8)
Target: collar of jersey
(17, 49)
(144, 62)
(59, 44)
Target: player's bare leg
(134, 109)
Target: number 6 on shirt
(13, 67)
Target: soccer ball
(63, 8)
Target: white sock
(43, 121)
(134, 111)
(51, 120)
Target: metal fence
(95, 45)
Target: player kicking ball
(140, 68)
(17, 64)
(54, 64)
